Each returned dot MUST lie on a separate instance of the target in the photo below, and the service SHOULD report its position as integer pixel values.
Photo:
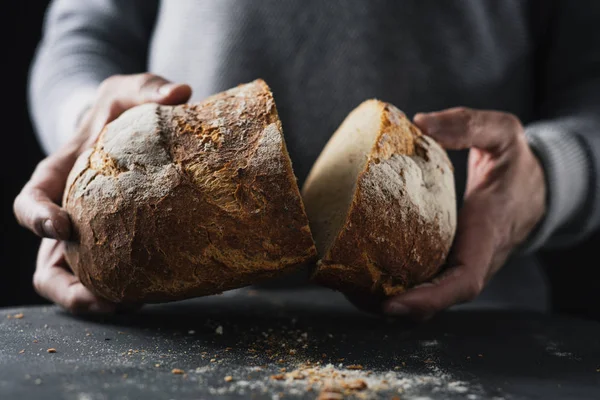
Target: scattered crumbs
(120, 333)
(323, 355)
(157, 365)
(219, 330)
(177, 371)
(278, 377)
(191, 332)
(428, 361)
(341, 359)
(8, 316)
(403, 364)
(355, 367)
(51, 350)
(480, 355)
(292, 352)
(18, 316)
(35, 341)
(358, 384)
(228, 348)
(88, 334)
(22, 351)
(468, 357)
(38, 381)
(213, 359)
(45, 326)
(228, 378)
(124, 376)
(597, 369)
(330, 393)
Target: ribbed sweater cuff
(566, 169)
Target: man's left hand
(504, 200)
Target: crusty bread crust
(182, 201)
(401, 222)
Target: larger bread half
(381, 204)
(181, 201)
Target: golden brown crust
(402, 219)
(191, 200)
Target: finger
(36, 205)
(119, 93)
(469, 262)
(462, 128)
(123, 92)
(54, 282)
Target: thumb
(146, 88)
(119, 93)
(462, 128)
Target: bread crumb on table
(51, 350)
(358, 384)
(177, 371)
(22, 351)
(355, 367)
(228, 378)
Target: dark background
(574, 274)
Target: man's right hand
(38, 208)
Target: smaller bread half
(381, 204)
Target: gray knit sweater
(537, 59)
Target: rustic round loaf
(181, 201)
(381, 204)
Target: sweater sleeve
(83, 43)
(566, 136)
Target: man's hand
(37, 207)
(503, 202)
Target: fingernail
(397, 309)
(166, 88)
(49, 229)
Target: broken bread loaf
(181, 201)
(381, 204)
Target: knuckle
(113, 110)
(38, 282)
(464, 113)
(73, 302)
(109, 84)
(514, 123)
(17, 206)
(473, 289)
(43, 165)
(147, 79)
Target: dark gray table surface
(250, 335)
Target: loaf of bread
(182, 201)
(381, 204)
